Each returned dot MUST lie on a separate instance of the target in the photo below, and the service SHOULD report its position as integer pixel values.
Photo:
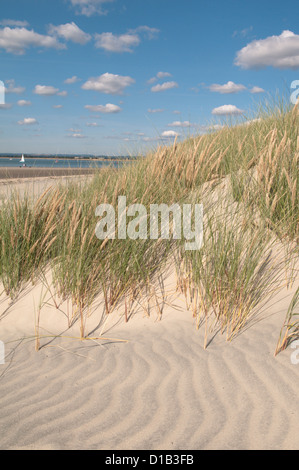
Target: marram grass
(247, 177)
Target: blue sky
(122, 76)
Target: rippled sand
(159, 390)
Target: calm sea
(57, 163)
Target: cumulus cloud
(12, 88)
(113, 43)
(257, 89)
(163, 74)
(106, 109)
(70, 32)
(164, 86)
(229, 87)
(180, 124)
(277, 51)
(62, 93)
(212, 128)
(24, 103)
(90, 7)
(108, 83)
(170, 134)
(124, 42)
(152, 80)
(151, 33)
(71, 80)
(159, 75)
(251, 121)
(27, 122)
(17, 40)
(227, 109)
(45, 90)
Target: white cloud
(17, 23)
(180, 124)
(164, 86)
(170, 134)
(12, 88)
(251, 121)
(62, 93)
(24, 103)
(57, 106)
(70, 32)
(212, 127)
(90, 7)
(108, 83)
(257, 89)
(277, 51)
(227, 109)
(152, 80)
(106, 109)
(17, 40)
(45, 90)
(113, 43)
(124, 42)
(159, 75)
(163, 74)
(151, 33)
(27, 122)
(153, 111)
(71, 80)
(229, 87)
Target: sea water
(57, 163)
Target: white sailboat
(23, 160)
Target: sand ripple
(159, 391)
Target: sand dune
(160, 390)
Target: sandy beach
(158, 390)
(26, 172)
(149, 290)
(34, 181)
(146, 384)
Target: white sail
(22, 159)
